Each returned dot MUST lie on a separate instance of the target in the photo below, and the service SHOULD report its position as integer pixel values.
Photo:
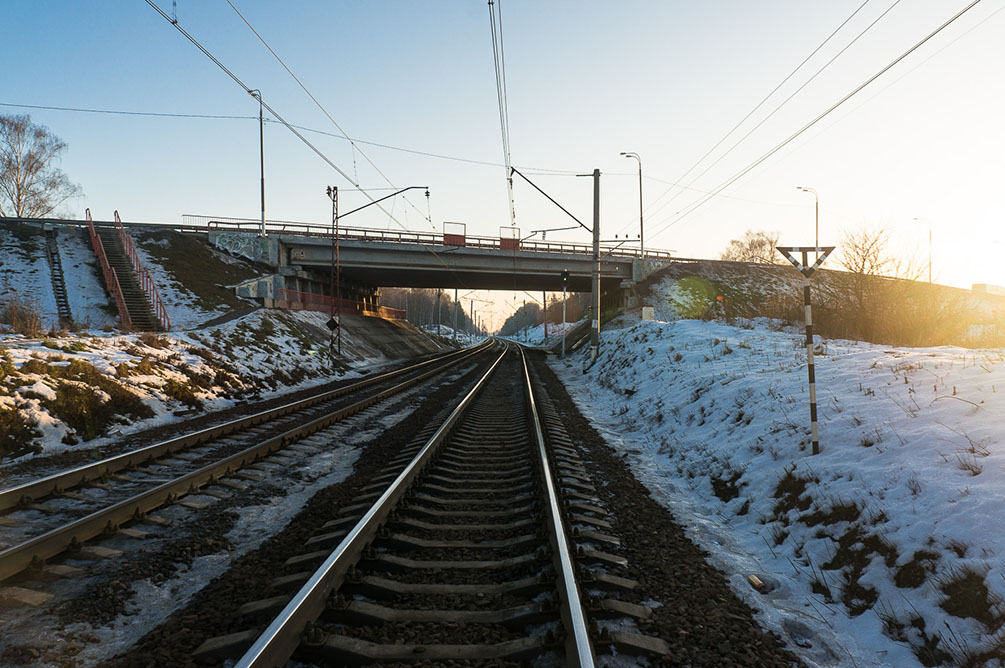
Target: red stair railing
(143, 276)
(111, 278)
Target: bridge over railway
(300, 257)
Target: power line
(786, 100)
(499, 61)
(754, 110)
(126, 113)
(694, 206)
(356, 140)
(319, 105)
(272, 111)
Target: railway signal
(807, 271)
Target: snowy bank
(883, 550)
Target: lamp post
(642, 239)
(261, 149)
(816, 226)
(929, 250)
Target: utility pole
(439, 297)
(595, 297)
(335, 321)
(565, 286)
(261, 151)
(642, 237)
(455, 316)
(544, 300)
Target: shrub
(17, 432)
(183, 392)
(23, 315)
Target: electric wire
(906, 74)
(317, 103)
(680, 215)
(289, 126)
(249, 91)
(783, 103)
(758, 105)
(126, 113)
(495, 24)
(428, 154)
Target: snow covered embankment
(883, 550)
(57, 392)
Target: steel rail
(579, 650)
(34, 551)
(29, 491)
(277, 643)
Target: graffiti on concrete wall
(244, 244)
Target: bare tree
(31, 185)
(753, 247)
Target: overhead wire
(680, 215)
(356, 140)
(783, 102)
(908, 72)
(287, 124)
(759, 104)
(266, 105)
(126, 113)
(316, 102)
(498, 59)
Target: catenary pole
(544, 300)
(564, 288)
(595, 297)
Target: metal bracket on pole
(807, 271)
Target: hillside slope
(881, 551)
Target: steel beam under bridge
(439, 266)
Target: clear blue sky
(586, 81)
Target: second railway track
(98, 498)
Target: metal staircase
(141, 314)
(58, 281)
(126, 279)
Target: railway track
(482, 541)
(44, 518)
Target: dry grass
(22, 315)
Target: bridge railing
(407, 236)
(310, 301)
(143, 276)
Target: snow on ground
(181, 304)
(463, 338)
(88, 300)
(534, 336)
(61, 385)
(880, 545)
(24, 272)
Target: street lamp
(816, 198)
(929, 250)
(261, 149)
(642, 242)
